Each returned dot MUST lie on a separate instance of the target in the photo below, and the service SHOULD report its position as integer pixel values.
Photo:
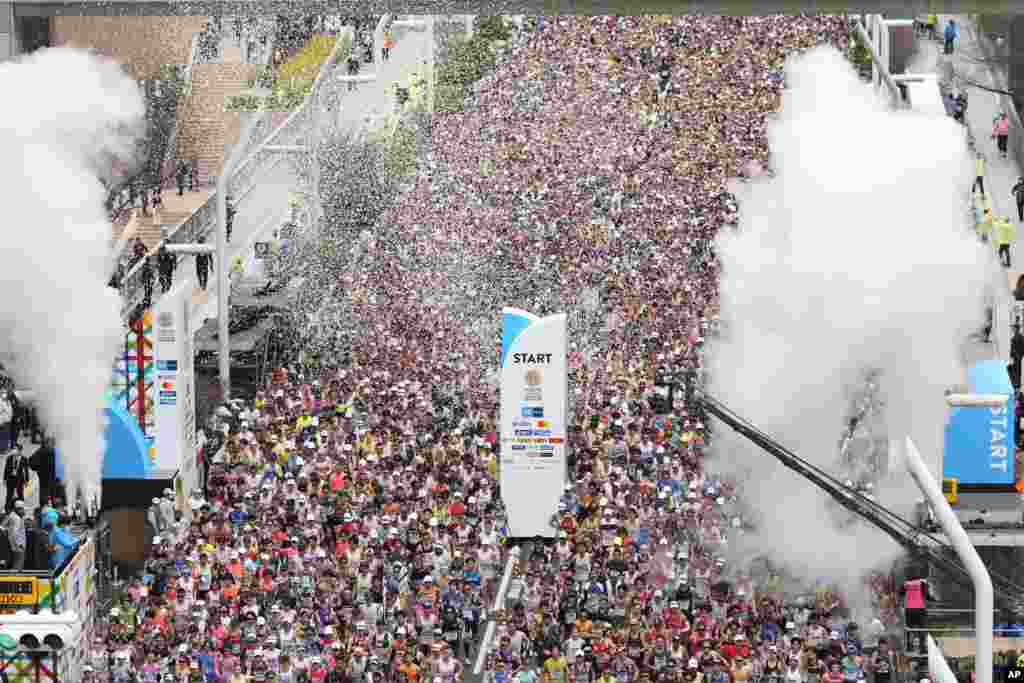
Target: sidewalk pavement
(982, 110)
(1000, 174)
(376, 99)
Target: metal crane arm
(1008, 595)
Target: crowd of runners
(352, 527)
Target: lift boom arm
(1009, 595)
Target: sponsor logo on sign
(544, 424)
(533, 411)
(542, 432)
(165, 319)
(533, 377)
(518, 447)
(524, 432)
(546, 454)
(556, 439)
(167, 385)
(522, 423)
(520, 439)
(167, 365)
(547, 447)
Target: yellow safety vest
(979, 166)
(985, 226)
(1006, 232)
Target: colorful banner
(534, 381)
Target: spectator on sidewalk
(165, 262)
(915, 591)
(138, 250)
(389, 42)
(979, 173)
(148, 280)
(230, 218)
(1018, 194)
(14, 526)
(181, 175)
(204, 264)
(949, 102)
(985, 226)
(158, 204)
(44, 462)
(352, 65)
(1016, 356)
(16, 476)
(6, 417)
(1001, 132)
(237, 270)
(117, 277)
(931, 24)
(951, 35)
(1006, 233)
(960, 108)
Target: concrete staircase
(205, 130)
(176, 211)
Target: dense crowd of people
(352, 528)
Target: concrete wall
(8, 38)
(144, 44)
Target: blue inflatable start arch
(127, 451)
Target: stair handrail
(189, 67)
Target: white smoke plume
(854, 253)
(68, 115)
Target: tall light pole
(222, 266)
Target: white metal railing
(192, 56)
(285, 132)
(200, 224)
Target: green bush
(467, 62)
(858, 52)
(243, 103)
(306, 63)
(492, 27)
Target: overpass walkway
(263, 184)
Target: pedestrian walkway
(1000, 174)
(376, 99)
(967, 62)
(269, 198)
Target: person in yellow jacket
(931, 23)
(985, 226)
(1005, 234)
(979, 174)
(237, 269)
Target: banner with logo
(978, 448)
(534, 381)
(174, 406)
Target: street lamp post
(223, 310)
